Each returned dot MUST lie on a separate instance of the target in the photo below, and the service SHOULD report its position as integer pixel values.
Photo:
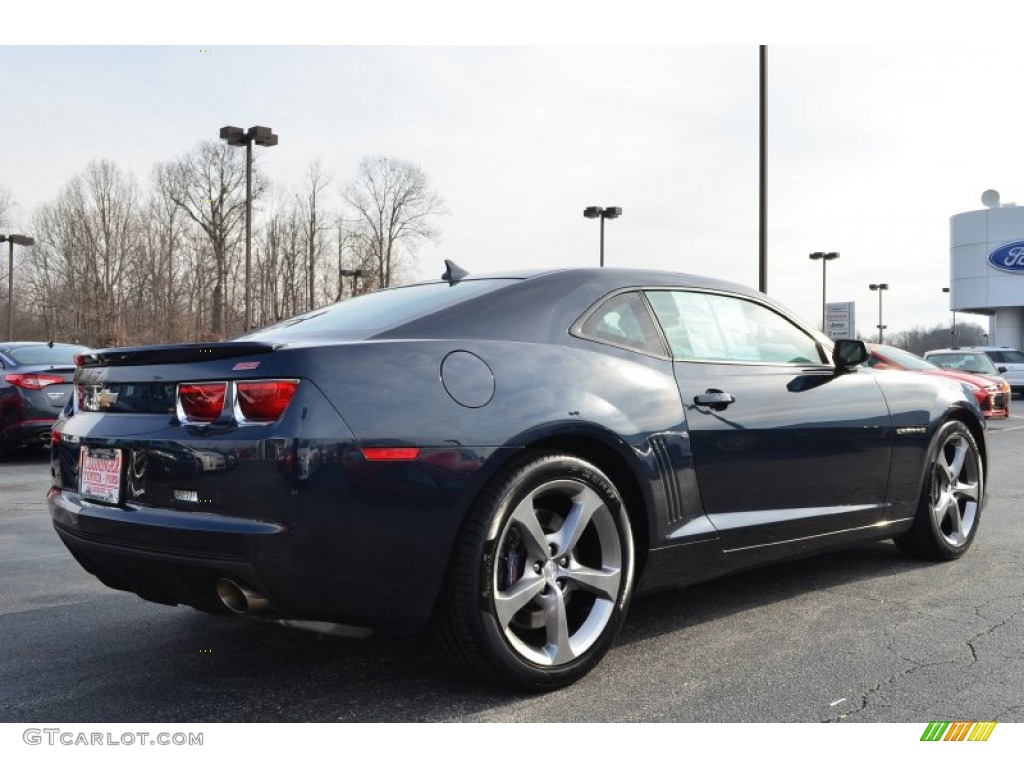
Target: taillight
(33, 380)
(201, 402)
(263, 400)
(391, 454)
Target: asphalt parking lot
(864, 635)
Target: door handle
(715, 398)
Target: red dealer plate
(99, 475)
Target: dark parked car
(35, 382)
(507, 459)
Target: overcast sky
(870, 149)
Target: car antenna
(453, 272)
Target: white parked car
(1013, 361)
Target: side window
(706, 326)
(624, 321)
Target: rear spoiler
(176, 353)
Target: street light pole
(825, 258)
(20, 240)
(952, 330)
(355, 274)
(879, 287)
(236, 137)
(762, 203)
(595, 212)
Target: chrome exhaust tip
(240, 599)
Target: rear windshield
(371, 313)
(44, 354)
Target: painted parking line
(33, 557)
(999, 430)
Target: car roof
(989, 349)
(958, 350)
(17, 344)
(614, 277)
(556, 297)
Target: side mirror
(849, 353)
(1001, 369)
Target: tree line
(116, 262)
(919, 340)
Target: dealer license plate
(99, 475)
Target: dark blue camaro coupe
(507, 459)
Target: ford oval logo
(1009, 257)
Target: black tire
(952, 497)
(541, 576)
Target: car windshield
(1006, 356)
(45, 354)
(972, 362)
(904, 359)
(372, 313)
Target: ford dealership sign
(1009, 257)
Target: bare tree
(160, 286)
(87, 246)
(348, 241)
(7, 206)
(395, 207)
(281, 263)
(208, 184)
(314, 225)
(919, 340)
(113, 265)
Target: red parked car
(35, 382)
(993, 393)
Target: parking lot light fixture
(825, 258)
(355, 274)
(879, 287)
(597, 212)
(12, 240)
(236, 137)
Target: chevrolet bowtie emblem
(100, 398)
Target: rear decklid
(215, 428)
(145, 379)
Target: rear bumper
(292, 510)
(341, 552)
(33, 432)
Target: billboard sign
(840, 320)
